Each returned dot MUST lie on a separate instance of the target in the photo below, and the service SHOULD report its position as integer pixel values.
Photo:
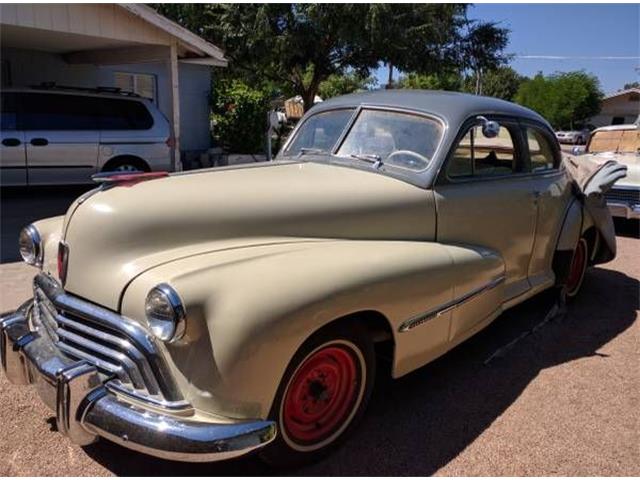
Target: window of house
(540, 151)
(479, 156)
(139, 83)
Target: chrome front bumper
(86, 410)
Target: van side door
(62, 134)
(13, 160)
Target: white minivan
(55, 136)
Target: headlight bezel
(35, 255)
(165, 327)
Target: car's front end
(105, 376)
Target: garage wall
(32, 67)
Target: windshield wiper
(369, 157)
(315, 151)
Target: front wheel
(322, 396)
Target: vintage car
(622, 144)
(202, 315)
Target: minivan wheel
(322, 396)
(126, 165)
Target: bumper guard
(86, 410)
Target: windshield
(403, 140)
(618, 141)
(320, 132)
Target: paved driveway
(563, 401)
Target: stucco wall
(30, 67)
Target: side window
(540, 151)
(118, 114)
(479, 156)
(45, 111)
(9, 108)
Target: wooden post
(174, 85)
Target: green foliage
(451, 81)
(502, 82)
(336, 85)
(240, 116)
(297, 46)
(565, 99)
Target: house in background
(619, 108)
(129, 46)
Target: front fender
(50, 230)
(249, 310)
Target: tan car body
(260, 273)
(263, 256)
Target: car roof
(453, 107)
(630, 126)
(76, 91)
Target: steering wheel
(411, 163)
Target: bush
(240, 116)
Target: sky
(568, 30)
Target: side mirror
(490, 129)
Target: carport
(128, 46)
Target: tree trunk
(478, 82)
(390, 78)
(308, 97)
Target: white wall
(31, 67)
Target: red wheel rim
(577, 268)
(321, 395)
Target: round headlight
(165, 313)
(31, 246)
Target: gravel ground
(563, 401)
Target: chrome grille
(620, 195)
(123, 352)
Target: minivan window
(8, 120)
(45, 111)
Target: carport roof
(186, 37)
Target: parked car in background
(622, 144)
(242, 308)
(575, 137)
(64, 135)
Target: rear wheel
(126, 165)
(577, 270)
(322, 396)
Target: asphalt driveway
(562, 401)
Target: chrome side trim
(447, 307)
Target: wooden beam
(119, 56)
(174, 86)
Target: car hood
(116, 234)
(631, 160)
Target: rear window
(618, 141)
(43, 111)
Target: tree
(628, 86)
(565, 99)
(298, 46)
(446, 81)
(337, 85)
(482, 49)
(502, 82)
(422, 38)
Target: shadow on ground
(419, 423)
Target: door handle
(11, 142)
(39, 142)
